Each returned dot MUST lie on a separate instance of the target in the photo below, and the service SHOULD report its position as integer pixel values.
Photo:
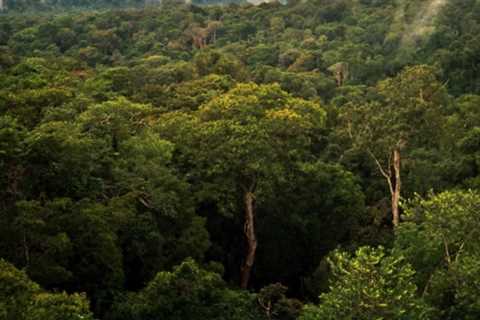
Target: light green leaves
(441, 241)
(369, 285)
(22, 299)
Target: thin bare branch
(447, 251)
(382, 171)
(459, 251)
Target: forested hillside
(314, 160)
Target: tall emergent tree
(243, 141)
(405, 113)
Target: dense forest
(313, 160)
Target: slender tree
(241, 142)
(405, 113)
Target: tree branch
(447, 251)
(382, 171)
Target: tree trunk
(396, 187)
(250, 237)
(26, 250)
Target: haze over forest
(227, 160)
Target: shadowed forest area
(313, 160)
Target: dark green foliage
(441, 242)
(273, 302)
(370, 285)
(189, 291)
(22, 299)
(130, 136)
(320, 206)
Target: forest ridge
(309, 160)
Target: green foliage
(267, 131)
(441, 242)
(115, 120)
(319, 206)
(369, 285)
(276, 305)
(22, 299)
(404, 114)
(12, 151)
(59, 306)
(15, 291)
(129, 136)
(66, 160)
(188, 292)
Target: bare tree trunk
(392, 176)
(251, 239)
(26, 250)
(396, 187)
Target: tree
(12, 151)
(63, 161)
(189, 95)
(316, 209)
(72, 246)
(153, 209)
(187, 292)
(242, 141)
(115, 121)
(15, 291)
(464, 137)
(276, 305)
(59, 306)
(440, 240)
(407, 112)
(22, 299)
(369, 285)
(217, 62)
